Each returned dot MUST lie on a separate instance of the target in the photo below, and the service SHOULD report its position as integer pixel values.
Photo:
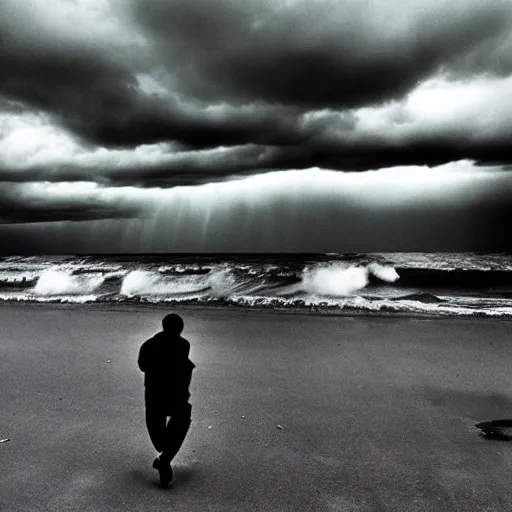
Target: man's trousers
(168, 425)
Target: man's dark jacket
(166, 366)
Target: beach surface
(290, 412)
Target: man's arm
(142, 360)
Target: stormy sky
(255, 125)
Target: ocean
(443, 284)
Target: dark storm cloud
(324, 53)
(277, 84)
(193, 168)
(260, 54)
(19, 205)
(96, 93)
(374, 154)
(166, 170)
(99, 101)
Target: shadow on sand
(182, 476)
(496, 430)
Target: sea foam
(339, 279)
(61, 282)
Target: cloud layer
(448, 208)
(323, 53)
(132, 95)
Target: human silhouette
(164, 359)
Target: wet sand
(290, 413)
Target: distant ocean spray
(437, 284)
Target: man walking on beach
(167, 375)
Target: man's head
(172, 323)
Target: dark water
(440, 283)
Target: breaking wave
(332, 280)
(219, 283)
(143, 282)
(61, 282)
(339, 280)
(427, 283)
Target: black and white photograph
(255, 255)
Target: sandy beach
(290, 412)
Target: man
(167, 375)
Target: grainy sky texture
(255, 125)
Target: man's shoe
(164, 470)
